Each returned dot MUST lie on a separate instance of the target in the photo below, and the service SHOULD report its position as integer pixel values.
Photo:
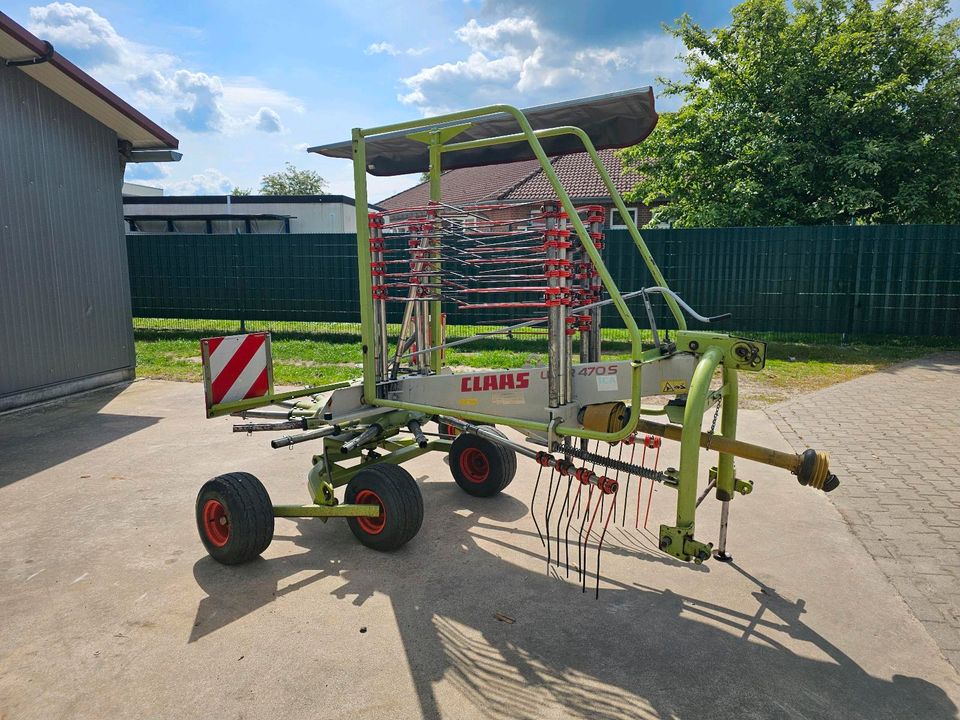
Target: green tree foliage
(810, 112)
(293, 181)
(240, 192)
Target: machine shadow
(640, 652)
(76, 422)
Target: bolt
(694, 345)
(665, 542)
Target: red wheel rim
(216, 523)
(371, 525)
(474, 465)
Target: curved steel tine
(549, 509)
(533, 501)
(613, 511)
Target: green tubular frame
(726, 480)
(690, 437)
(680, 538)
(436, 149)
(251, 403)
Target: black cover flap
(615, 120)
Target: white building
(136, 189)
(243, 213)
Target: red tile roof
(519, 182)
(579, 178)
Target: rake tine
(549, 508)
(643, 458)
(566, 503)
(656, 460)
(609, 452)
(580, 552)
(533, 500)
(566, 535)
(616, 476)
(613, 511)
(626, 495)
(596, 509)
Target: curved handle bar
(690, 311)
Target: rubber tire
(249, 515)
(502, 462)
(402, 504)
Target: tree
(293, 181)
(240, 192)
(810, 112)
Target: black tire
(481, 467)
(234, 518)
(398, 495)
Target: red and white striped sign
(235, 367)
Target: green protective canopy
(614, 120)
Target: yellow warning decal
(468, 401)
(673, 386)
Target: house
(206, 214)
(65, 319)
(139, 190)
(522, 186)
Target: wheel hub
(216, 523)
(371, 525)
(474, 465)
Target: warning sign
(673, 386)
(235, 367)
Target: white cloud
(267, 120)
(515, 59)
(196, 97)
(385, 48)
(146, 171)
(80, 28)
(510, 36)
(191, 100)
(209, 182)
(244, 94)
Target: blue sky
(248, 86)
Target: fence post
(851, 273)
(239, 284)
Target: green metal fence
(826, 281)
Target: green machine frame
(381, 436)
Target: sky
(248, 86)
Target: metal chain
(713, 425)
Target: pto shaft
(810, 467)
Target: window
(617, 222)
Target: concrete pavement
(894, 436)
(109, 606)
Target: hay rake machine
(581, 418)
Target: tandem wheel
(234, 517)
(397, 494)
(480, 466)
